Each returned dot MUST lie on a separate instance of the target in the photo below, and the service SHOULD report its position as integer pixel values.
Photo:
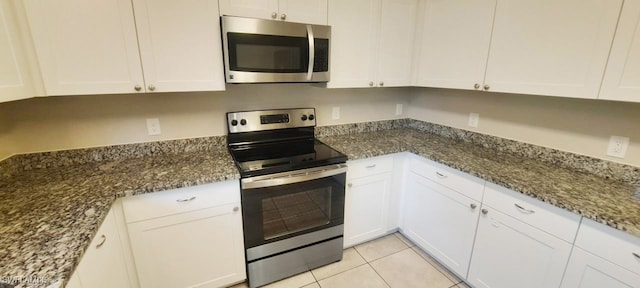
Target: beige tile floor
(389, 261)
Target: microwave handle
(312, 52)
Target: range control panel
(261, 120)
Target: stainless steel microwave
(269, 51)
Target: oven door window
(268, 53)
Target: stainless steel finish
(293, 242)
(473, 206)
(152, 87)
(253, 120)
(186, 199)
(269, 27)
(381, 84)
(312, 51)
(486, 87)
(484, 211)
(476, 86)
(371, 84)
(274, 15)
(236, 209)
(524, 210)
(283, 16)
(104, 239)
(271, 269)
(371, 166)
(441, 175)
(290, 177)
(138, 87)
(636, 255)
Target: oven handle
(292, 177)
(312, 52)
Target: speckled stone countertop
(49, 216)
(607, 201)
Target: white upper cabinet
(92, 47)
(303, 11)
(15, 76)
(372, 42)
(180, 44)
(453, 45)
(86, 47)
(622, 77)
(551, 47)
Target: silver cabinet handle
(371, 166)
(283, 16)
(274, 15)
(138, 87)
(370, 84)
(484, 211)
(381, 84)
(486, 87)
(152, 87)
(235, 209)
(476, 86)
(524, 210)
(441, 175)
(636, 255)
(104, 239)
(186, 199)
(473, 206)
(350, 185)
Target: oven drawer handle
(290, 178)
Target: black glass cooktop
(268, 158)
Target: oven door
(285, 205)
(259, 51)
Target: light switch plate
(474, 119)
(335, 113)
(618, 146)
(398, 109)
(153, 126)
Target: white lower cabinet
(202, 247)
(586, 270)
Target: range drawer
(370, 166)
(546, 217)
(458, 181)
(611, 244)
(165, 203)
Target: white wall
(57, 123)
(573, 125)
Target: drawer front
(611, 244)
(165, 203)
(458, 181)
(370, 166)
(553, 220)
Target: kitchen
(93, 118)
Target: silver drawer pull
(235, 209)
(636, 255)
(441, 175)
(104, 239)
(186, 199)
(371, 166)
(524, 210)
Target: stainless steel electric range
(293, 191)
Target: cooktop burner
(266, 142)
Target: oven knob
(243, 122)
(234, 122)
(311, 117)
(304, 117)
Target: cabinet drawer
(458, 181)
(370, 166)
(165, 203)
(553, 220)
(609, 243)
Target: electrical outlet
(474, 119)
(153, 126)
(618, 146)
(398, 109)
(335, 113)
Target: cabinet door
(622, 78)
(74, 281)
(551, 47)
(397, 32)
(304, 11)
(441, 221)
(354, 26)
(103, 264)
(15, 82)
(586, 270)
(203, 248)
(86, 47)
(509, 253)
(366, 208)
(263, 9)
(180, 44)
(453, 46)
